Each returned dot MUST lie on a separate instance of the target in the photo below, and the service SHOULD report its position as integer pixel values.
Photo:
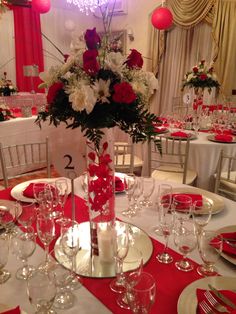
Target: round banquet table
(13, 292)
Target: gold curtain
(224, 34)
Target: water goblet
(148, 188)
(37, 188)
(182, 206)
(8, 217)
(121, 247)
(201, 213)
(46, 233)
(166, 224)
(129, 185)
(41, 290)
(141, 295)
(209, 246)
(24, 246)
(4, 251)
(185, 239)
(28, 213)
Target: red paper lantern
(162, 18)
(41, 6)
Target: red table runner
(170, 281)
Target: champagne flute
(185, 239)
(4, 251)
(201, 212)
(24, 246)
(62, 187)
(148, 188)
(141, 294)
(52, 199)
(46, 233)
(182, 207)
(209, 246)
(129, 185)
(121, 247)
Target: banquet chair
(169, 162)
(225, 180)
(125, 160)
(23, 159)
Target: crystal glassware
(185, 239)
(201, 213)
(148, 188)
(141, 293)
(28, 213)
(62, 188)
(24, 244)
(53, 199)
(182, 207)
(129, 185)
(4, 251)
(210, 246)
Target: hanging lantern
(41, 6)
(162, 18)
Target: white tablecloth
(14, 291)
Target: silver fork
(214, 303)
(206, 308)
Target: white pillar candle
(106, 239)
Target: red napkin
(227, 248)
(13, 311)
(194, 197)
(29, 192)
(160, 129)
(224, 137)
(229, 294)
(180, 134)
(119, 185)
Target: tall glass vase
(101, 197)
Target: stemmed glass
(46, 233)
(129, 185)
(164, 196)
(209, 246)
(4, 251)
(41, 290)
(148, 188)
(121, 247)
(62, 188)
(8, 217)
(185, 239)
(138, 191)
(182, 207)
(24, 246)
(141, 294)
(27, 215)
(53, 199)
(201, 212)
(166, 224)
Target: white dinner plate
(17, 191)
(187, 303)
(212, 139)
(191, 136)
(223, 254)
(216, 200)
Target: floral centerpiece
(5, 112)
(201, 77)
(6, 86)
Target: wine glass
(185, 239)
(164, 196)
(201, 213)
(209, 246)
(41, 290)
(46, 233)
(52, 199)
(121, 247)
(37, 188)
(4, 251)
(141, 294)
(8, 217)
(24, 246)
(148, 188)
(28, 213)
(129, 185)
(166, 224)
(182, 206)
(138, 191)
(70, 244)
(62, 188)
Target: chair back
(16, 160)
(170, 155)
(124, 157)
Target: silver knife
(226, 300)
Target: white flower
(67, 66)
(152, 82)
(82, 97)
(101, 90)
(139, 87)
(50, 77)
(190, 76)
(114, 61)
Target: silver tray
(91, 266)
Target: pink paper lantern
(41, 6)
(162, 18)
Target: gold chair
(125, 160)
(225, 178)
(21, 159)
(170, 163)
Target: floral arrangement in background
(202, 77)
(6, 86)
(97, 88)
(5, 113)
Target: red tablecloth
(170, 281)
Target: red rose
(92, 38)
(134, 60)
(195, 69)
(53, 91)
(123, 93)
(203, 77)
(66, 56)
(92, 156)
(90, 63)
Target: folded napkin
(223, 137)
(13, 311)
(180, 134)
(194, 197)
(227, 293)
(227, 248)
(29, 192)
(159, 129)
(119, 185)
